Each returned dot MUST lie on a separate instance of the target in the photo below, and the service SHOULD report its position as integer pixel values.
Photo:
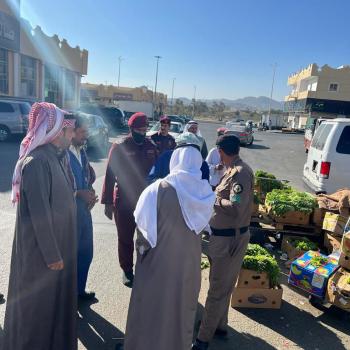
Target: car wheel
(4, 133)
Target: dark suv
(13, 118)
(113, 116)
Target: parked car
(13, 118)
(114, 117)
(175, 129)
(327, 167)
(245, 134)
(178, 119)
(98, 131)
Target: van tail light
(325, 170)
(243, 134)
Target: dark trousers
(85, 248)
(125, 222)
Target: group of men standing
(53, 243)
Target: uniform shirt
(234, 198)
(128, 167)
(164, 143)
(213, 159)
(162, 168)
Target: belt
(229, 232)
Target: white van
(327, 168)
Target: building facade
(37, 67)
(318, 92)
(110, 94)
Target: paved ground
(297, 325)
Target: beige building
(318, 92)
(110, 94)
(37, 67)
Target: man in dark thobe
(86, 198)
(162, 138)
(129, 163)
(41, 307)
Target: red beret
(164, 119)
(138, 120)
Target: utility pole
(155, 86)
(172, 95)
(273, 83)
(119, 60)
(194, 100)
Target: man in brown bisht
(229, 239)
(170, 215)
(41, 307)
(129, 164)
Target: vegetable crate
(252, 279)
(310, 276)
(289, 247)
(292, 218)
(338, 289)
(334, 223)
(331, 242)
(257, 298)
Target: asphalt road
(297, 325)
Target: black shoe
(88, 296)
(2, 298)
(128, 279)
(221, 333)
(200, 345)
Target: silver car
(13, 118)
(245, 134)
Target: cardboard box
(287, 247)
(317, 217)
(345, 244)
(310, 278)
(344, 261)
(252, 279)
(334, 223)
(331, 243)
(291, 218)
(259, 298)
(338, 290)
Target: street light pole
(194, 100)
(172, 95)
(119, 60)
(155, 86)
(273, 83)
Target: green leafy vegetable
(256, 249)
(259, 259)
(263, 263)
(306, 246)
(286, 200)
(205, 263)
(266, 182)
(318, 261)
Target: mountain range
(260, 103)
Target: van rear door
(339, 157)
(316, 155)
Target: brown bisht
(167, 283)
(41, 310)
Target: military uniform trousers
(125, 222)
(225, 256)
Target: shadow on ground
(254, 146)
(95, 332)
(301, 327)
(234, 339)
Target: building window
(52, 84)
(333, 87)
(4, 72)
(70, 88)
(28, 76)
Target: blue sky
(224, 47)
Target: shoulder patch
(237, 188)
